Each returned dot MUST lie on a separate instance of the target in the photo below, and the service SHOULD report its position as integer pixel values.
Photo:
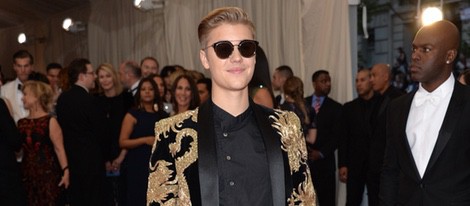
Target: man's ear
(203, 58)
(80, 76)
(451, 55)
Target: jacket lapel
(402, 121)
(207, 159)
(452, 116)
(274, 155)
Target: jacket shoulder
(332, 102)
(164, 126)
(293, 143)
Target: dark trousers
(355, 189)
(373, 184)
(86, 189)
(11, 190)
(325, 186)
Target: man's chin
(414, 77)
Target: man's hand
(313, 154)
(343, 174)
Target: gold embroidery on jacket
(293, 142)
(163, 180)
(292, 138)
(183, 162)
(305, 194)
(160, 185)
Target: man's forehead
(323, 76)
(363, 73)
(428, 36)
(149, 61)
(24, 61)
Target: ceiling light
(73, 26)
(22, 38)
(431, 15)
(146, 5)
(67, 23)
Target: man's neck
(233, 102)
(319, 94)
(19, 81)
(431, 86)
(384, 89)
(82, 85)
(367, 96)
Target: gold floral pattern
(163, 180)
(288, 127)
(160, 185)
(292, 138)
(305, 195)
(167, 182)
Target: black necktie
(20, 86)
(132, 90)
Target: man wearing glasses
(80, 126)
(229, 151)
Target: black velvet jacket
(183, 164)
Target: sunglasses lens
(247, 48)
(223, 49)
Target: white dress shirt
(425, 120)
(133, 88)
(10, 92)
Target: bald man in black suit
(428, 135)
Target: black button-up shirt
(242, 162)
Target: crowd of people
(83, 136)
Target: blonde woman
(112, 104)
(44, 166)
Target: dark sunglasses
(223, 49)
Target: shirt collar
(18, 82)
(228, 122)
(315, 97)
(135, 85)
(444, 91)
(445, 88)
(82, 86)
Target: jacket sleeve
(8, 129)
(293, 143)
(162, 183)
(334, 133)
(390, 170)
(343, 139)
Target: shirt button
(231, 183)
(225, 134)
(228, 157)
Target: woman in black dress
(137, 136)
(112, 104)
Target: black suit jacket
(353, 150)
(328, 133)
(446, 180)
(79, 120)
(378, 122)
(183, 165)
(11, 192)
